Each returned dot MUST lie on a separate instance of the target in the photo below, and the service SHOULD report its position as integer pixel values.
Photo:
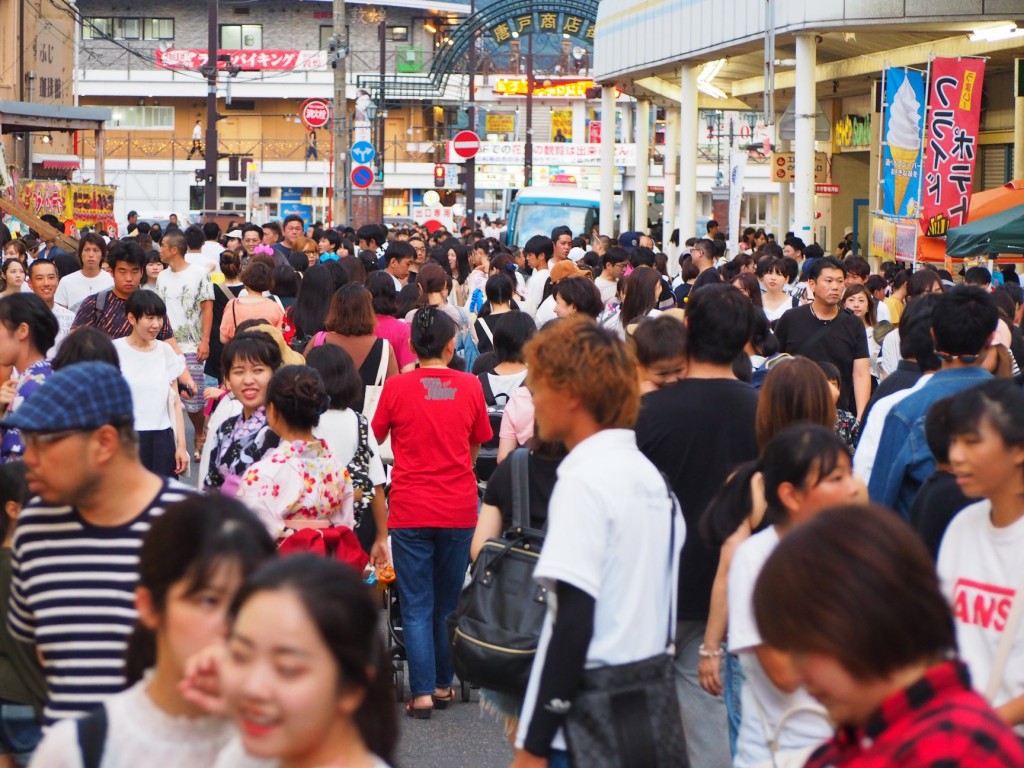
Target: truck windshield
(540, 218)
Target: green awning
(999, 233)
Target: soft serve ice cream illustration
(903, 135)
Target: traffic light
(462, 178)
(200, 175)
(439, 174)
(380, 171)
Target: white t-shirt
(212, 250)
(184, 292)
(139, 733)
(535, 289)
(890, 357)
(505, 385)
(340, 430)
(882, 312)
(65, 319)
(871, 430)
(149, 374)
(760, 695)
(980, 570)
(235, 756)
(608, 289)
(545, 312)
(610, 540)
(76, 287)
(207, 261)
(779, 311)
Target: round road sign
(315, 113)
(362, 176)
(466, 144)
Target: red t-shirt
(397, 332)
(433, 415)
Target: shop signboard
(552, 153)
(902, 140)
(499, 123)
(246, 60)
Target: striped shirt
(73, 596)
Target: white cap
(235, 234)
(577, 253)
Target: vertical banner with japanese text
(561, 125)
(902, 139)
(737, 171)
(954, 116)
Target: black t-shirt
(541, 476)
(844, 342)
(937, 502)
(707, 277)
(483, 341)
(697, 432)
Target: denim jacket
(904, 460)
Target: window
(241, 37)
(399, 34)
(326, 32)
(755, 209)
(128, 28)
(141, 118)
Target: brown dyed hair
(854, 583)
(853, 290)
(351, 312)
(579, 357)
(794, 390)
(258, 277)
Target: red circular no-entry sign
(315, 113)
(466, 144)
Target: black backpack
(487, 458)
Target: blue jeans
(732, 682)
(558, 759)
(20, 731)
(430, 565)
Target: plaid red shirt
(937, 722)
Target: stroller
(396, 643)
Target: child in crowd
(660, 346)
(847, 426)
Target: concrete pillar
(804, 107)
(669, 219)
(607, 211)
(643, 165)
(689, 137)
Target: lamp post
(713, 120)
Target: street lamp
(713, 119)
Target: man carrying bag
(601, 692)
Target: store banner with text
(954, 116)
(561, 125)
(737, 170)
(902, 139)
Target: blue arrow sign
(362, 176)
(363, 152)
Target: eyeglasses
(311, 252)
(37, 441)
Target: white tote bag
(371, 396)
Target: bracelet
(705, 654)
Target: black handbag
(495, 629)
(627, 715)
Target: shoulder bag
(495, 629)
(786, 758)
(371, 396)
(627, 715)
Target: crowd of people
(811, 472)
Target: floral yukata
(238, 444)
(299, 480)
(11, 446)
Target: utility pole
(528, 149)
(211, 154)
(339, 201)
(471, 163)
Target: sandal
(442, 702)
(417, 713)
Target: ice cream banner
(954, 114)
(902, 138)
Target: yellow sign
(568, 88)
(561, 125)
(968, 92)
(499, 123)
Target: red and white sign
(248, 60)
(465, 144)
(826, 189)
(953, 118)
(315, 113)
